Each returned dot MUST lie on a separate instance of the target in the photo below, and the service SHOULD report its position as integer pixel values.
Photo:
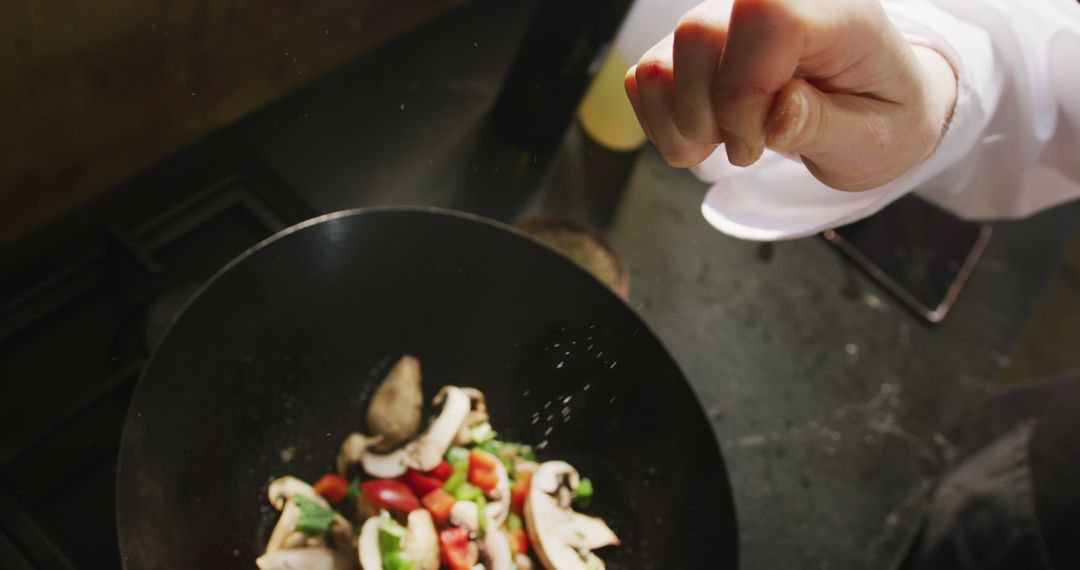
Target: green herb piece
(457, 455)
(313, 519)
(468, 492)
(584, 494)
(513, 522)
(390, 534)
(481, 514)
(482, 433)
(398, 560)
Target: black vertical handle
(559, 55)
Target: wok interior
(272, 366)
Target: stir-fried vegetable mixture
(451, 496)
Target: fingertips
(634, 94)
(698, 47)
(655, 85)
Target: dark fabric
(1012, 500)
(1055, 459)
(982, 516)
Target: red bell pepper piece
(519, 491)
(419, 483)
(454, 544)
(438, 503)
(390, 494)
(332, 486)
(483, 470)
(519, 540)
(442, 471)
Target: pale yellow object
(605, 112)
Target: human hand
(832, 81)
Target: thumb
(847, 141)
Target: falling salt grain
(547, 404)
(402, 107)
(560, 364)
(612, 400)
(526, 392)
(542, 444)
(548, 431)
(567, 399)
(550, 417)
(586, 388)
(613, 363)
(536, 420)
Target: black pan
(278, 354)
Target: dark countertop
(836, 408)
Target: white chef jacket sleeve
(1011, 149)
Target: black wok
(277, 356)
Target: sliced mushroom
(523, 562)
(395, 409)
(304, 559)
(281, 536)
(477, 415)
(427, 450)
(524, 466)
(285, 488)
(421, 541)
(495, 551)
(297, 539)
(466, 515)
(561, 537)
(368, 543)
(352, 451)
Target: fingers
(698, 47)
(650, 86)
(761, 55)
(846, 141)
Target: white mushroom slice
(294, 539)
(284, 527)
(353, 449)
(368, 543)
(464, 435)
(523, 562)
(427, 450)
(477, 415)
(285, 488)
(524, 465)
(562, 538)
(394, 412)
(495, 551)
(304, 559)
(466, 515)
(421, 541)
(498, 508)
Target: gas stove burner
(163, 311)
